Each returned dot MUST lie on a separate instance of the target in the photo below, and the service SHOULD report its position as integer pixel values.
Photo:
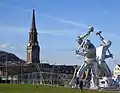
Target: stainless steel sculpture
(101, 56)
(88, 50)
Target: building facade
(116, 71)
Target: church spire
(33, 48)
(33, 25)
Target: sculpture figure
(88, 50)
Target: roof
(118, 65)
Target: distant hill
(9, 57)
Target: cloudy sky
(58, 23)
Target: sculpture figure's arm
(81, 38)
(81, 53)
(107, 44)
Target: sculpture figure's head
(79, 40)
(87, 44)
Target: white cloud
(25, 30)
(53, 32)
(67, 49)
(12, 28)
(12, 47)
(4, 46)
(51, 17)
(62, 20)
(65, 21)
(23, 46)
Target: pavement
(116, 90)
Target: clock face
(28, 44)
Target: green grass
(24, 88)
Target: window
(66, 71)
(117, 69)
(28, 55)
(71, 71)
(117, 73)
(103, 82)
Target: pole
(21, 71)
(104, 42)
(102, 39)
(6, 68)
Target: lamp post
(6, 68)
(21, 71)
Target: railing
(42, 78)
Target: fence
(42, 78)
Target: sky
(58, 23)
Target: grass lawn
(24, 88)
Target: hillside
(9, 57)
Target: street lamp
(6, 68)
(21, 71)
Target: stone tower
(33, 48)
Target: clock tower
(33, 48)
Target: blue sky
(58, 23)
